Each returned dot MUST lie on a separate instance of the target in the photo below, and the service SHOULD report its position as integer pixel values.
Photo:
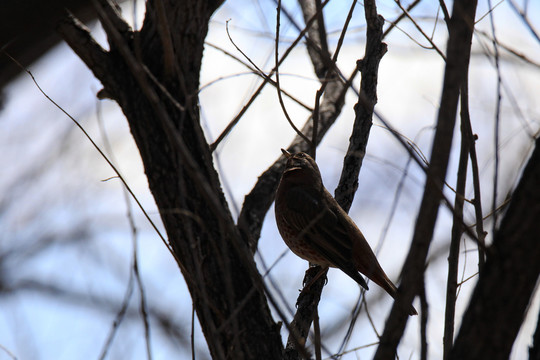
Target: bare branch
(369, 67)
(419, 28)
(237, 118)
(79, 39)
(458, 54)
(525, 19)
(278, 88)
(256, 72)
(400, 17)
(457, 227)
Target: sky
(67, 243)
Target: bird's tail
(366, 262)
(383, 281)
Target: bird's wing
(323, 229)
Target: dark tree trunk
(219, 269)
(154, 76)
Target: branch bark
(308, 300)
(369, 68)
(457, 227)
(261, 197)
(154, 77)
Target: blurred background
(69, 233)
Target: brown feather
(317, 229)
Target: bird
(316, 228)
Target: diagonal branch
(369, 67)
(457, 227)
(219, 269)
(317, 44)
(78, 37)
(375, 49)
(458, 54)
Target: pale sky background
(54, 185)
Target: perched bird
(317, 229)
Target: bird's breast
(293, 235)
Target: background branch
(459, 48)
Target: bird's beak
(286, 153)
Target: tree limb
(458, 53)
(160, 102)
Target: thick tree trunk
(154, 77)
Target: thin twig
(497, 123)
(252, 71)
(419, 28)
(119, 318)
(330, 75)
(400, 17)
(525, 19)
(278, 86)
(457, 229)
(477, 200)
(354, 316)
(237, 118)
(134, 272)
(101, 153)
(512, 51)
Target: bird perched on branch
(317, 229)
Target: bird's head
(301, 168)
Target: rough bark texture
(154, 76)
(511, 272)
(308, 300)
(369, 68)
(218, 267)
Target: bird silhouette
(317, 229)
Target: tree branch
(78, 37)
(160, 103)
(457, 228)
(375, 49)
(260, 198)
(458, 54)
(369, 67)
